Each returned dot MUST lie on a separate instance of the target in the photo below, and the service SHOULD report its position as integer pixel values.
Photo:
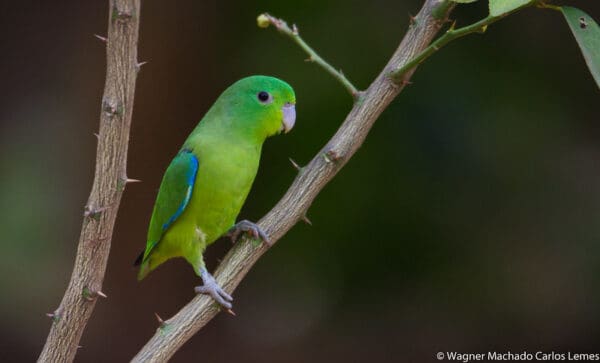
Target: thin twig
(544, 5)
(71, 317)
(310, 181)
(265, 19)
(451, 34)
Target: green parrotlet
(207, 182)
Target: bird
(207, 182)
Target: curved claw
(246, 226)
(212, 288)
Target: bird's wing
(173, 196)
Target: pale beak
(289, 117)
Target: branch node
(161, 323)
(357, 96)
(56, 315)
(120, 15)
(331, 156)
(112, 109)
(412, 20)
(93, 212)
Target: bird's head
(260, 106)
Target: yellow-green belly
(222, 183)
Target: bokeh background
(468, 221)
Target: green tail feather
(144, 266)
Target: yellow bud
(262, 21)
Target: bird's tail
(144, 266)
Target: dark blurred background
(468, 221)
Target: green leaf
(587, 34)
(464, 1)
(500, 7)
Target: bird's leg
(249, 227)
(212, 288)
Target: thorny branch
(71, 317)
(311, 179)
(450, 35)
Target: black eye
(263, 96)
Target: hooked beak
(289, 117)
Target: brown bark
(71, 317)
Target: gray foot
(212, 288)
(249, 227)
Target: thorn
(139, 65)
(452, 26)
(309, 59)
(97, 135)
(129, 180)
(295, 164)
(483, 29)
(306, 220)
(412, 19)
(294, 29)
(79, 346)
(230, 312)
(101, 294)
(405, 82)
(103, 39)
(161, 322)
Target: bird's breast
(223, 182)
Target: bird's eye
(264, 97)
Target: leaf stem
(451, 34)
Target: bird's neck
(223, 136)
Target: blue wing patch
(190, 179)
(173, 197)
